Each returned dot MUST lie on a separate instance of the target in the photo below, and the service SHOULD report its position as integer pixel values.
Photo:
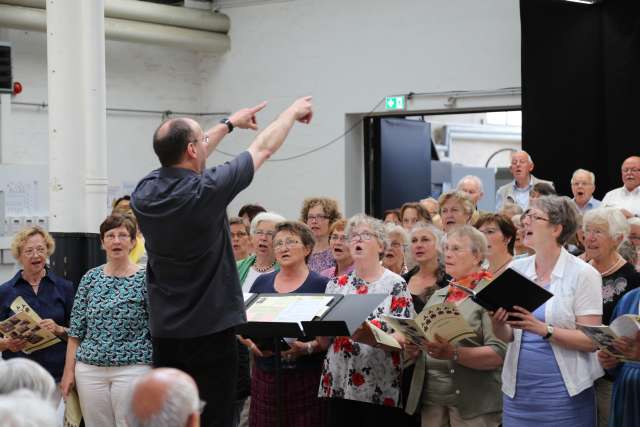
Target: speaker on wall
(6, 78)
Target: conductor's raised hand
(246, 118)
(302, 109)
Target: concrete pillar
(77, 115)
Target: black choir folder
(508, 289)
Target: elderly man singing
(517, 191)
(583, 184)
(627, 197)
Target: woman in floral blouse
(109, 339)
(363, 382)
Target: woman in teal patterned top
(109, 339)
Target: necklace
(501, 267)
(613, 268)
(264, 269)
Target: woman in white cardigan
(550, 366)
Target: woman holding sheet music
(459, 385)
(625, 411)
(550, 367)
(50, 296)
(362, 382)
(300, 375)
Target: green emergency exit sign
(394, 103)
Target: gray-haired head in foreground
(173, 391)
(377, 227)
(561, 210)
(479, 245)
(22, 373)
(24, 408)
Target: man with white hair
(583, 184)
(627, 197)
(24, 408)
(164, 397)
(517, 191)
(472, 185)
(22, 373)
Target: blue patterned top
(110, 317)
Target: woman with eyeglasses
(319, 213)
(263, 260)
(550, 366)
(45, 292)
(604, 230)
(109, 339)
(340, 249)
(300, 375)
(360, 381)
(459, 385)
(456, 209)
(394, 256)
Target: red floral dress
(357, 371)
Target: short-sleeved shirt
(357, 371)
(111, 320)
(54, 300)
(615, 286)
(577, 291)
(191, 272)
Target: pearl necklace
(264, 269)
(613, 268)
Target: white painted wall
(348, 55)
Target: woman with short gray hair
(263, 259)
(604, 231)
(460, 384)
(556, 387)
(361, 381)
(394, 257)
(456, 208)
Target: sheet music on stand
(289, 308)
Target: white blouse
(577, 290)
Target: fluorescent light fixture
(584, 1)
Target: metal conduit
(34, 19)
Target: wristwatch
(456, 355)
(226, 121)
(549, 332)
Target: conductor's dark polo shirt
(191, 273)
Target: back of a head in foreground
(164, 397)
(22, 373)
(24, 408)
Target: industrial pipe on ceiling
(142, 23)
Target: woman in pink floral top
(363, 382)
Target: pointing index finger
(259, 107)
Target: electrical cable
(318, 148)
(164, 113)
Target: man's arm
(270, 140)
(242, 119)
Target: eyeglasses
(397, 245)
(205, 140)
(238, 235)
(119, 236)
(316, 218)
(581, 184)
(630, 170)
(364, 236)
(338, 238)
(288, 243)
(40, 250)
(532, 216)
(596, 232)
(263, 233)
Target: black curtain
(580, 71)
